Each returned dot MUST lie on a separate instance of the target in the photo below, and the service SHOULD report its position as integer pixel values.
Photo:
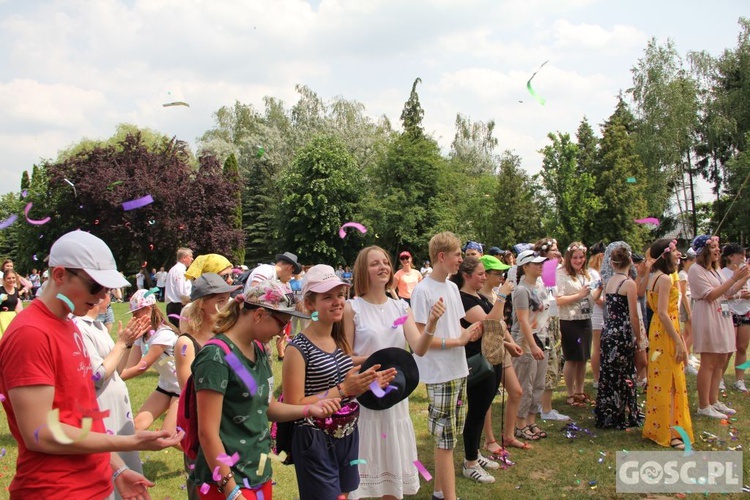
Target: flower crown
(548, 244)
(573, 248)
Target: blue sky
(75, 69)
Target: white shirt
(165, 364)
(437, 365)
(177, 284)
(161, 279)
(263, 272)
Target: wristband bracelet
(224, 481)
(431, 334)
(119, 471)
(235, 493)
(305, 411)
(442, 346)
(505, 297)
(341, 392)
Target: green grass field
(557, 467)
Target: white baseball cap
(84, 251)
(528, 257)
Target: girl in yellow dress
(666, 397)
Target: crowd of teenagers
(354, 344)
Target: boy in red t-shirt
(44, 366)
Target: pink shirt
(405, 282)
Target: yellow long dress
(663, 374)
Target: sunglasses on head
(94, 287)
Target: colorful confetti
(151, 292)
(184, 348)
(743, 366)
(113, 184)
(137, 203)
(356, 225)
(228, 460)
(531, 90)
(358, 461)
(67, 301)
(314, 316)
(630, 180)
(216, 474)
(648, 220)
(204, 488)
(34, 222)
(378, 391)
(235, 364)
(655, 355)
(2, 398)
(423, 470)
(399, 321)
(75, 193)
(175, 103)
(9, 221)
(177, 316)
(262, 463)
(55, 427)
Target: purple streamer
(235, 364)
(137, 203)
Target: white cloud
(593, 37)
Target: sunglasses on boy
(94, 287)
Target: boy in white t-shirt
(443, 368)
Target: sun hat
(493, 263)
(142, 298)
(321, 279)
(272, 295)
(406, 380)
(210, 284)
(84, 251)
(529, 257)
(290, 258)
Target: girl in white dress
(373, 321)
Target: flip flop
(496, 454)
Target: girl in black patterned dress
(616, 402)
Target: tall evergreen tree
(232, 175)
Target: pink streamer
(35, 222)
(228, 460)
(176, 316)
(549, 272)
(204, 488)
(648, 220)
(399, 321)
(356, 225)
(422, 470)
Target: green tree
(412, 114)
(320, 195)
(623, 202)
(574, 202)
(232, 175)
(516, 209)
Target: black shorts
(576, 339)
(740, 320)
(164, 391)
(323, 464)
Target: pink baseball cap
(321, 279)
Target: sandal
(526, 433)
(537, 431)
(677, 444)
(582, 397)
(572, 401)
(515, 443)
(498, 453)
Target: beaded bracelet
(224, 481)
(341, 392)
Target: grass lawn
(557, 467)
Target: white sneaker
(486, 463)
(691, 369)
(478, 474)
(724, 408)
(554, 415)
(710, 411)
(595, 384)
(740, 385)
(722, 386)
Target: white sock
(438, 494)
